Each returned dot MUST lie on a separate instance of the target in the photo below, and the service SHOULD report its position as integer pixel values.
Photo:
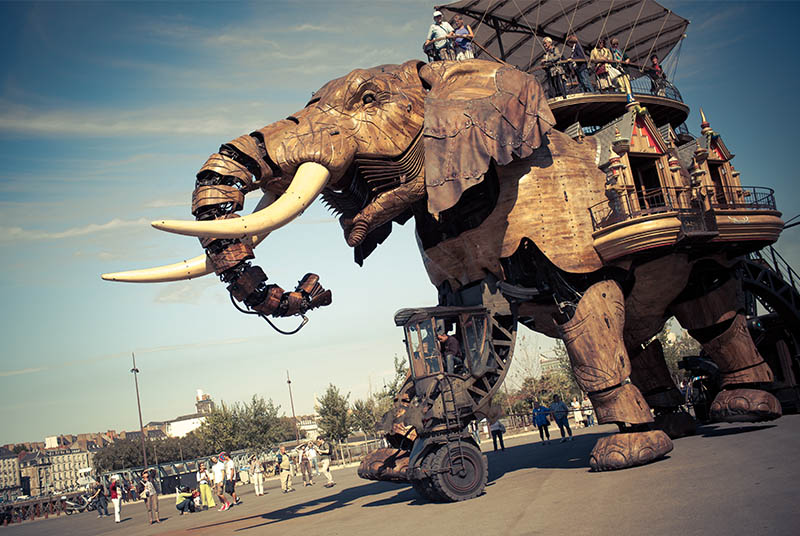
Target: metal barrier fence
(19, 511)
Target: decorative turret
(620, 145)
(705, 126)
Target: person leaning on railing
(622, 80)
(463, 40)
(658, 80)
(601, 58)
(551, 61)
(438, 44)
(574, 51)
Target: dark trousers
(562, 424)
(497, 434)
(185, 505)
(544, 430)
(557, 88)
(102, 505)
(583, 78)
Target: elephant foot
(623, 450)
(676, 424)
(385, 464)
(744, 405)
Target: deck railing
(629, 205)
(641, 83)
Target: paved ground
(729, 479)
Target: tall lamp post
(291, 401)
(135, 371)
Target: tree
(364, 416)
(677, 344)
(251, 425)
(335, 421)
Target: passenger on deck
(623, 81)
(438, 44)
(463, 45)
(600, 57)
(658, 80)
(555, 70)
(574, 51)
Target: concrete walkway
(728, 479)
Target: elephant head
(373, 144)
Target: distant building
(10, 483)
(184, 424)
(203, 403)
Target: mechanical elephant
(499, 200)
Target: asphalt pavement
(732, 479)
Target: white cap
(437, 14)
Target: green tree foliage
(250, 425)
(365, 417)
(335, 421)
(677, 344)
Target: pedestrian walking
(99, 496)
(577, 415)
(324, 448)
(498, 429)
(231, 476)
(313, 457)
(560, 412)
(588, 411)
(150, 496)
(257, 475)
(116, 488)
(305, 466)
(285, 468)
(204, 481)
(218, 473)
(541, 420)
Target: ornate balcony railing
(628, 205)
(641, 82)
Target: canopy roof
(512, 30)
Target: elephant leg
(649, 373)
(593, 338)
(716, 322)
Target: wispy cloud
(15, 234)
(185, 291)
(167, 120)
(119, 355)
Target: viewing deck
(632, 222)
(662, 100)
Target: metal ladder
(452, 424)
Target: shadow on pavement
(713, 430)
(313, 507)
(570, 455)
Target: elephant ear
(477, 111)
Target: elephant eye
(368, 98)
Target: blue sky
(107, 111)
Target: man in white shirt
(312, 457)
(436, 35)
(218, 471)
(230, 477)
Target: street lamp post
(291, 402)
(135, 371)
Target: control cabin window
(423, 349)
(473, 341)
(647, 182)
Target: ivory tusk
(180, 271)
(307, 183)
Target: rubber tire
(425, 486)
(453, 488)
